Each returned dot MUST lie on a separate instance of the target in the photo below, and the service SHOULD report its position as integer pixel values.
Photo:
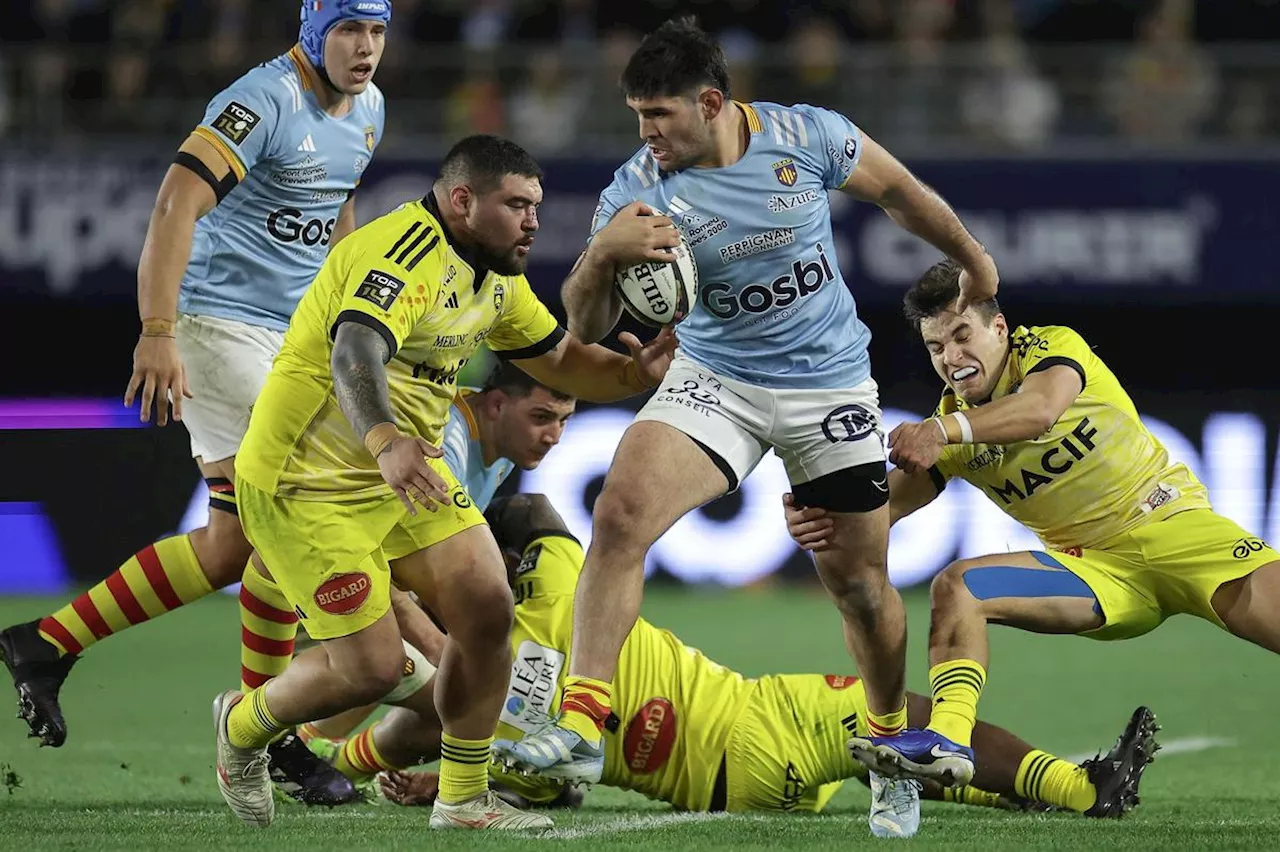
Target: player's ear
(711, 102)
(1001, 326)
(461, 197)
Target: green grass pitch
(137, 769)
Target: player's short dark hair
(513, 381)
(674, 58)
(483, 160)
(935, 291)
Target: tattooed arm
(360, 383)
(359, 377)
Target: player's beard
(505, 263)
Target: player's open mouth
(963, 373)
(523, 248)
(362, 72)
(658, 153)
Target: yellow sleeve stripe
(233, 160)
(460, 403)
(295, 54)
(754, 124)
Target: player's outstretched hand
(404, 467)
(915, 447)
(159, 373)
(410, 788)
(979, 284)
(653, 358)
(637, 233)
(810, 527)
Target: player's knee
(948, 588)
(614, 517)
(374, 678)
(488, 620)
(222, 549)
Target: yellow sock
(1044, 778)
(970, 796)
(464, 768)
(888, 724)
(268, 626)
(359, 758)
(250, 723)
(957, 686)
(157, 579)
(585, 707)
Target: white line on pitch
(628, 824)
(1185, 745)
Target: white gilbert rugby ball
(654, 292)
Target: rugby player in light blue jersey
(773, 356)
(245, 215)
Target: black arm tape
(939, 481)
(220, 187)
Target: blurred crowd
(1004, 74)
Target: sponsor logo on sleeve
(379, 288)
(236, 122)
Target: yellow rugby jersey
(403, 276)
(1097, 473)
(660, 686)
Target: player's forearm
(165, 254)
(909, 493)
(922, 211)
(1018, 417)
(360, 377)
(592, 305)
(588, 371)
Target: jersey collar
(468, 256)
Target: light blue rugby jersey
(465, 457)
(255, 254)
(773, 308)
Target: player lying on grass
(1036, 421)
(688, 731)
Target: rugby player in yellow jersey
(693, 733)
(341, 483)
(1038, 423)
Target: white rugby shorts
(815, 432)
(227, 364)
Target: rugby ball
(654, 292)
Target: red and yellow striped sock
(586, 706)
(268, 626)
(360, 759)
(157, 579)
(888, 724)
(307, 732)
